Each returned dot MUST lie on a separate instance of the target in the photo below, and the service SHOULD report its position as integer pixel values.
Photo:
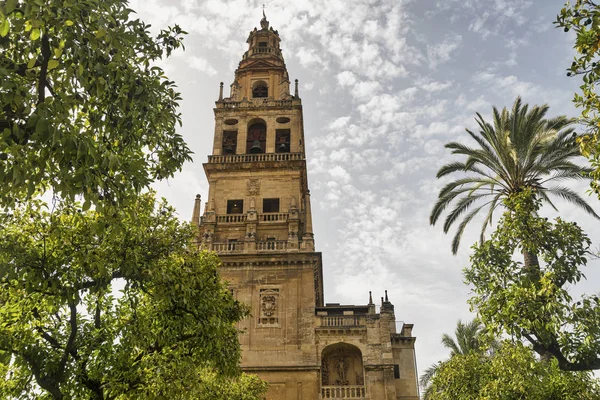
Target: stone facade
(258, 219)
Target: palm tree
(468, 339)
(522, 149)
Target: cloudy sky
(384, 84)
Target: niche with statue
(341, 365)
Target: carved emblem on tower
(253, 186)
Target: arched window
(257, 138)
(260, 89)
(229, 142)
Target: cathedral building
(258, 219)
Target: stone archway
(342, 365)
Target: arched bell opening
(229, 142)
(260, 89)
(257, 137)
(342, 365)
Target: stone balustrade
(273, 217)
(262, 50)
(228, 247)
(239, 247)
(271, 245)
(342, 321)
(242, 158)
(231, 218)
(254, 103)
(343, 392)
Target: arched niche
(257, 136)
(260, 89)
(342, 365)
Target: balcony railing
(261, 247)
(271, 245)
(342, 321)
(256, 102)
(273, 217)
(343, 392)
(228, 247)
(231, 218)
(241, 158)
(262, 50)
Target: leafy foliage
(534, 303)
(170, 333)
(83, 111)
(470, 338)
(521, 149)
(583, 18)
(511, 372)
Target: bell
(228, 149)
(283, 147)
(256, 148)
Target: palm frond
(572, 197)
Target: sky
(384, 85)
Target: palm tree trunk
(531, 267)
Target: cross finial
(264, 11)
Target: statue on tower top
(264, 24)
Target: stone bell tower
(258, 219)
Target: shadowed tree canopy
(520, 149)
(83, 109)
(114, 305)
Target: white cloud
(436, 86)
(441, 53)
(365, 89)
(346, 78)
(200, 64)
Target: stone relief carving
(269, 305)
(341, 366)
(253, 186)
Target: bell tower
(258, 219)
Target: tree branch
(44, 68)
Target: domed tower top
(264, 42)
(262, 72)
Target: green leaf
(31, 63)
(9, 6)
(41, 127)
(35, 34)
(4, 26)
(52, 64)
(69, 22)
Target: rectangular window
(262, 44)
(235, 206)
(270, 205)
(282, 140)
(396, 371)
